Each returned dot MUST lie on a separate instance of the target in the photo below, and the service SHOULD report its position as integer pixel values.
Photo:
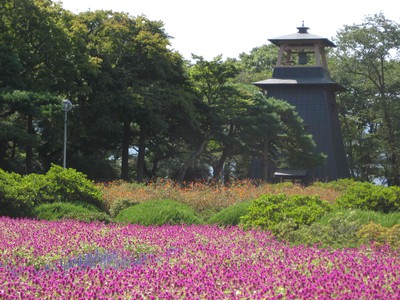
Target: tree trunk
(350, 150)
(225, 153)
(154, 169)
(393, 172)
(3, 161)
(125, 151)
(227, 173)
(141, 156)
(265, 160)
(29, 147)
(190, 160)
(221, 162)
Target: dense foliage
(126, 86)
(368, 196)
(366, 63)
(327, 214)
(20, 194)
(269, 211)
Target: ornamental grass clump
(63, 210)
(231, 215)
(159, 212)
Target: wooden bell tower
(301, 77)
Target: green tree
(136, 81)
(209, 80)
(34, 59)
(236, 123)
(368, 67)
(277, 137)
(258, 64)
(23, 128)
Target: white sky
(230, 27)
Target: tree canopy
(366, 62)
(140, 111)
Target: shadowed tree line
(142, 112)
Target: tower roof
(302, 37)
(300, 76)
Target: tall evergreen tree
(33, 58)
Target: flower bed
(74, 260)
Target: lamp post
(66, 106)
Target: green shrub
(159, 212)
(367, 196)
(19, 194)
(344, 228)
(363, 217)
(339, 185)
(376, 233)
(270, 210)
(68, 185)
(230, 215)
(337, 231)
(15, 195)
(57, 211)
(88, 206)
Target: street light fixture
(66, 106)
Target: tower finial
(302, 29)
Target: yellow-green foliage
(376, 233)
(367, 196)
(15, 195)
(335, 229)
(20, 194)
(339, 185)
(269, 211)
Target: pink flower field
(74, 260)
